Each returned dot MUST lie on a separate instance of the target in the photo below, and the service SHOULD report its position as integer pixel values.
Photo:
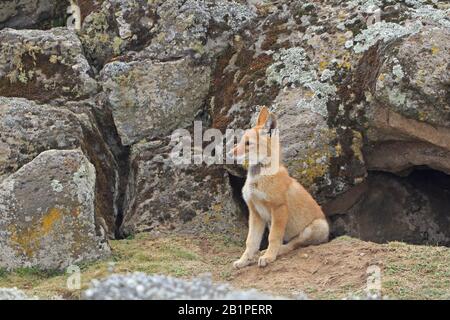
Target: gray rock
(28, 128)
(13, 294)
(112, 27)
(32, 14)
(140, 286)
(48, 213)
(163, 30)
(151, 99)
(44, 65)
(188, 198)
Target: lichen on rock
(45, 228)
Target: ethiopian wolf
(274, 198)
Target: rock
(32, 14)
(13, 294)
(112, 27)
(311, 148)
(44, 65)
(191, 198)
(411, 209)
(409, 108)
(140, 286)
(151, 99)
(48, 213)
(28, 128)
(200, 29)
(162, 30)
(289, 65)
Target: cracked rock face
(185, 198)
(48, 213)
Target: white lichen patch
(383, 31)
(398, 73)
(56, 186)
(441, 17)
(292, 67)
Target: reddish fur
(278, 199)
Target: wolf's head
(260, 144)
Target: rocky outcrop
(48, 213)
(161, 30)
(360, 89)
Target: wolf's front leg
(277, 230)
(256, 227)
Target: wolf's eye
(247, 143)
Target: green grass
(408, 271)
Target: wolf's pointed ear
(271, 124)
(262, 117)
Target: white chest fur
(256, 196)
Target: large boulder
(164, 196)
(47, 213)
(151, 99)
(28, 128)
(44, 65)
(317, 67)
(409, 107)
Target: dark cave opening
(412, 206)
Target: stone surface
(13, 294)
(140, 286)
(48, 213)
(31, 14)
(162, 29)
(28, 128)
(163, 196)
(44, 65)
(150, 99)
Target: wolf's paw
(241, 263)
(265, 260)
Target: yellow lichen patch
(310, 167)
(434, 50)
(53, 59)
(323, 65)
(357, 144)
(28, 239)
(49, 220)
(217, 207)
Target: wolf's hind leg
(317, 232)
